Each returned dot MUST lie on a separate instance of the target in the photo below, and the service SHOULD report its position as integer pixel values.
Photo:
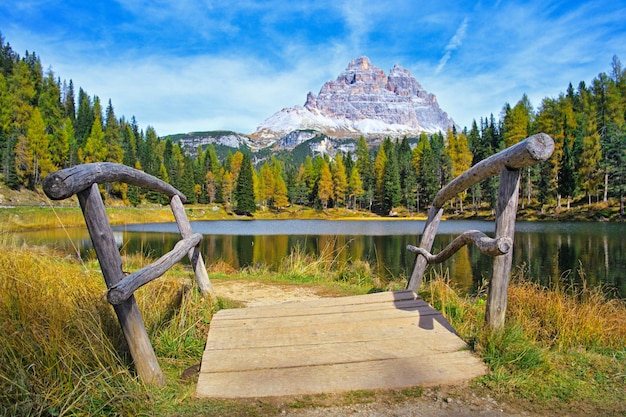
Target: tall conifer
(244, 191)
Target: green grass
(62, 351)
(561, 348)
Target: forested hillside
(45, 125)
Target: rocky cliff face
(363, 100)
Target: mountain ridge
(362, 101)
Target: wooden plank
(344, 314)
(268, 315)
(222, 360)
(431, 326)
(321, 304)
(392, 373)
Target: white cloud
(454, 44)
(178, 95)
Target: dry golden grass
(568, 318)
(61, 347)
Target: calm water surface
(544, 251)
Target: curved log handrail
(65, 183)
(534, 149)
(122, 291)
(83, 181)
(528, 152)
(486, 245)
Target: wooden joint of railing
(120, 292)
(486, 245)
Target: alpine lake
(593, 253)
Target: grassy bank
(24, 218)
(62, 352)
(29, 210)
(43, 216)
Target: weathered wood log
(195, 257)
(110, 260)
(506, 212)
(528, 152)
(426, 243)
(121, 291)
(485, 244)
(534, 149)
(67, 182)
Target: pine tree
(311, 178)
(407, 175)
(379, 172)
(428, 177)
(84, 117)
(266, 185)
(60, 145)
(113, 137)
(391, 184)
(187, 181)
(280, 193)
(235, 164)
(461, 158)
(5, 122)
(95, 149)
(364, 165)
(325, 187)
(211, 187)
(69, 103)
(567, 181)
(302, 190)
(517, 122)
(589, 172)
(340, 180)
(244, 191)
(355, 186)
(129, 145)
(23, 160)
(39, 143)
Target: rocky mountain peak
(362, 100)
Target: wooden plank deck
(382, 340)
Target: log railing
(508, 164)
(83, 181)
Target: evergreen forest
(46, 125)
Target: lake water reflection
(544, 251)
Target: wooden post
(195, 257)
(506, 210)
(426, 243)
(111, 263)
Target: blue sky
(185, 65)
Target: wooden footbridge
(381, 340)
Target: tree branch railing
(508, 164)
(485, 244)
(83, 181)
